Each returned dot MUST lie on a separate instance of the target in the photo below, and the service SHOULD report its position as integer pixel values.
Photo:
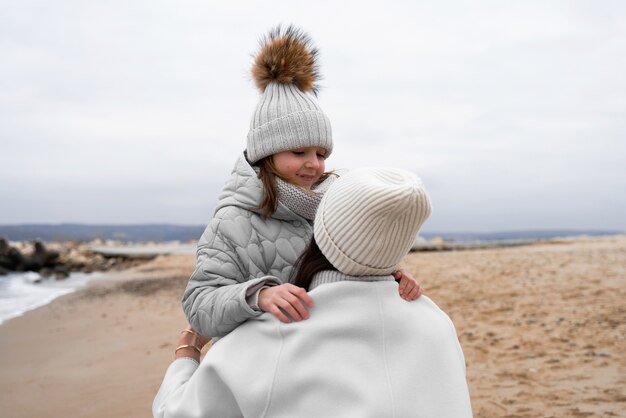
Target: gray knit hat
(369, 218)
(288, 115)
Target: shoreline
(100, 351)
(71, 266)
(27, 291)
(542, 327)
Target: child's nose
(312, 162)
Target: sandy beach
(543, 328)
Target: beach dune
(543, 328)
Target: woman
(363, 352)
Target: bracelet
(187, 346)
(190, 331)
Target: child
(263, 219)
(364, 352)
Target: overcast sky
(513, 113)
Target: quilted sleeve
(215, 298)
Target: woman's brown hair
(311, 262)
(267, 175)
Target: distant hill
(87, 232)
(168, 232)
(529, 235)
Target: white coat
(364, 352)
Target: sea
(25, 291)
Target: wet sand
(543, 328)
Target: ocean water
(22, 292)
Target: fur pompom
(288, 57)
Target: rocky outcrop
(57, 259)
(13, 259)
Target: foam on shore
(22, 292)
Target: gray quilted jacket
(239, 251)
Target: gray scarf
(301, 201)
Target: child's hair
(311, 262)
(267, 175)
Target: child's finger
(404, 286)
(414, 293)
(275, 310)
(293, 306)
(303, 295)
(299, 308)
(289, 309)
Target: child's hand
(409, 288)
(286, 298)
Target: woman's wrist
(190, 344)
(191, 352)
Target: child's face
(302, 166)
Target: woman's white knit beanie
(369, 218)
(287, 116)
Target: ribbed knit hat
(287, 115)
(369, 218)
